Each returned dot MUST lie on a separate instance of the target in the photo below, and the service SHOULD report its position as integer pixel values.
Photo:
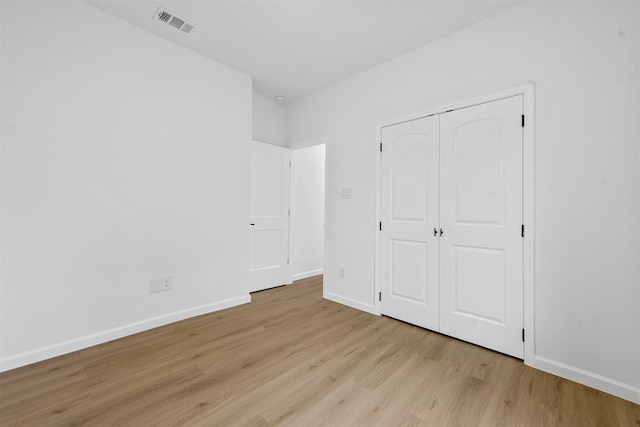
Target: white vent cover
(172, 19)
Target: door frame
(323, 140)
(528, 198)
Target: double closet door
(451, 237)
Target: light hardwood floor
(293, 358)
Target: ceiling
(295, 48)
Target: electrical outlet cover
(165, 283)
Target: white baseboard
(599, 382)
(307, 274)
(350, 302)
(65, 347)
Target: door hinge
(380, 225)
(523, 120)
(289, 163)
(522, 230)
(287, 260)
(522, 335)
(379, 296)
(289, 212)
(381, 147)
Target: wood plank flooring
(293, 358)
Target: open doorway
(307, 209)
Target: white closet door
(481, 217)
(409, 248)
(269, 227)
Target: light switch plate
(154, 286)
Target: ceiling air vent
(170, 18)
(164, 16)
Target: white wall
(124, 158)
(307, 211)
(269, 120)
(583, 57)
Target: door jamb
(528, 198)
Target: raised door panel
(478, 195)
(409, 271)
(409, 192)
(479, 283)
(267, 177)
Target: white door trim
(309, 143)
(528, 198)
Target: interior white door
(481, 277)
(269, 226)
(409, 246)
